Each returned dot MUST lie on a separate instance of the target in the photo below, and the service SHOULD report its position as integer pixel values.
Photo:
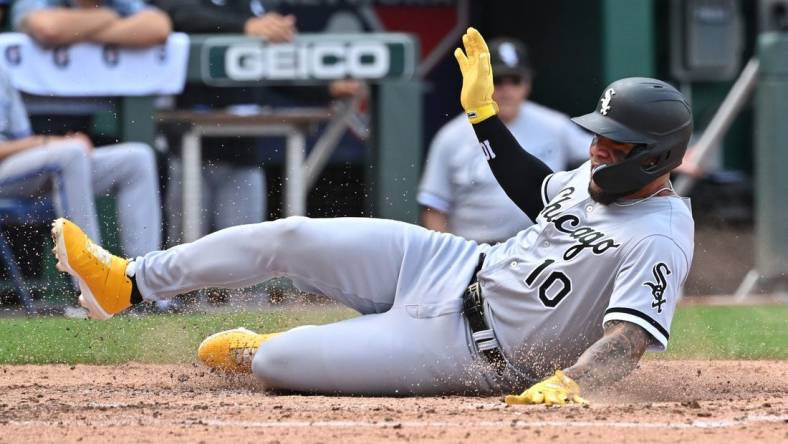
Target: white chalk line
(514, 423)
(498, 424)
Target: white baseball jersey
(550, 289)
(457, 180)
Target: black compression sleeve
(519, 173)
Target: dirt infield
(664, 401)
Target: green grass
(729, 332)
(156, 338)
(698, 332)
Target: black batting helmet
(649, 113)
(509, 57)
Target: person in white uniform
(458, 192)
(73, 173)
(572, 301)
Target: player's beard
(602, 196)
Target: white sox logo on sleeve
(658, 287)
(489, 154)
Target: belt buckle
(475, 292)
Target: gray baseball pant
(406, 281)
(75, 176)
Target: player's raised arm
(519, 173)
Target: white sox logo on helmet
(606, 101)
(658, 288)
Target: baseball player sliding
(574, 300)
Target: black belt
(473, 307)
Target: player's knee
(288, 231)
(292, 225)
(73, 148)
(275, 365)
(284, 362)
(140, 155)
(71, 154)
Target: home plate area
(663, 401)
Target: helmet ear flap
(637, 149)
(648, 163)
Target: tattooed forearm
(612, 357)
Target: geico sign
(362, 60)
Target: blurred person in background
(73, 172)
(129, 23)
(248, 17)
(129, 170)
(691, 165)
(235, 181)
(458, 192)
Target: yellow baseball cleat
(106, 289)
(231, 351)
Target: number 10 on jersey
(553, 288)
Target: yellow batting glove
(557, 389)
(477, 77)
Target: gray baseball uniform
(457, 180)
(547, 291)
(73, 175)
